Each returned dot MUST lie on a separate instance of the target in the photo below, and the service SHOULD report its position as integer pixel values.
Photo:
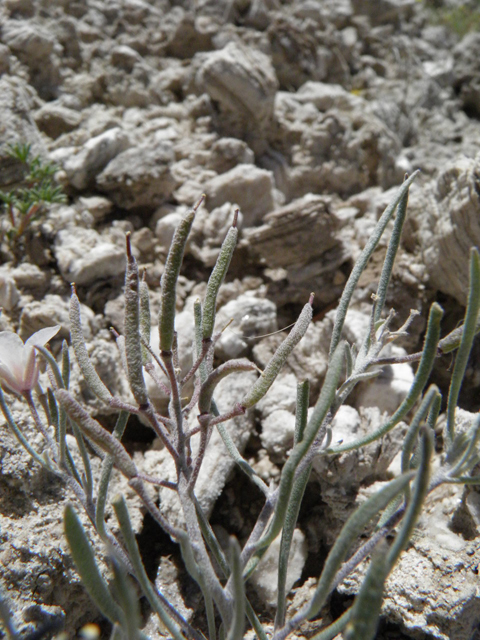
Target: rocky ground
(306, 115)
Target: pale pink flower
(18, 362)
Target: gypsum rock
(139, 176)
(247, 186)
(242, 82)
(445, 223)
(82, 165)
(17, 101)
(432, 589)
(301, 238)
(252, 316)
(37, 48)
(341, 148)
(84, 256)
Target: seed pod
(265, 381)
(145, 320)
(78, 341)
(95, 432)
(217, 277)
(170, 277)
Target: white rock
(346, 425)
(97, 206)
(284, 238)
(82, 167)
(209, 231)
(228, 152)
(351, 468)
(139, 176)
(83, 256)
(446, 225)
(4, 59)
(32, 41)
(251, 316)
(384, 11)
(55, 119)
(9, 295)
(329, 150)
(325, 96)
(29, 276)
(388, 390)
(278, 430)
(165, 228)
(440, 70)
(264, 580)
(245, 185)
(17, 104)
(241, 79)
(49, 311)
(433, 588)
(466, 67)
(124, 56)
(281, 395)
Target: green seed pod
(170, 277)
(95, 432)
(265, 381)
(133, 345)
(217, 277)
(78, 341)
(145, 320)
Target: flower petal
(9, 380)
(30, 372)
(11, 347)
(40, 338)
(12, 359)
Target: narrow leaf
(368, 603)
(123, 518)
(145, 318)
(350, 532)
(238, 624)
(468, 334)
(87, 567)
(106, 472)
(128, 601)
(293, 509)
(420, 380)
(390, 256)
(362, 262)
(320, 411)
(419, 492)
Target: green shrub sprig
(28, 201)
